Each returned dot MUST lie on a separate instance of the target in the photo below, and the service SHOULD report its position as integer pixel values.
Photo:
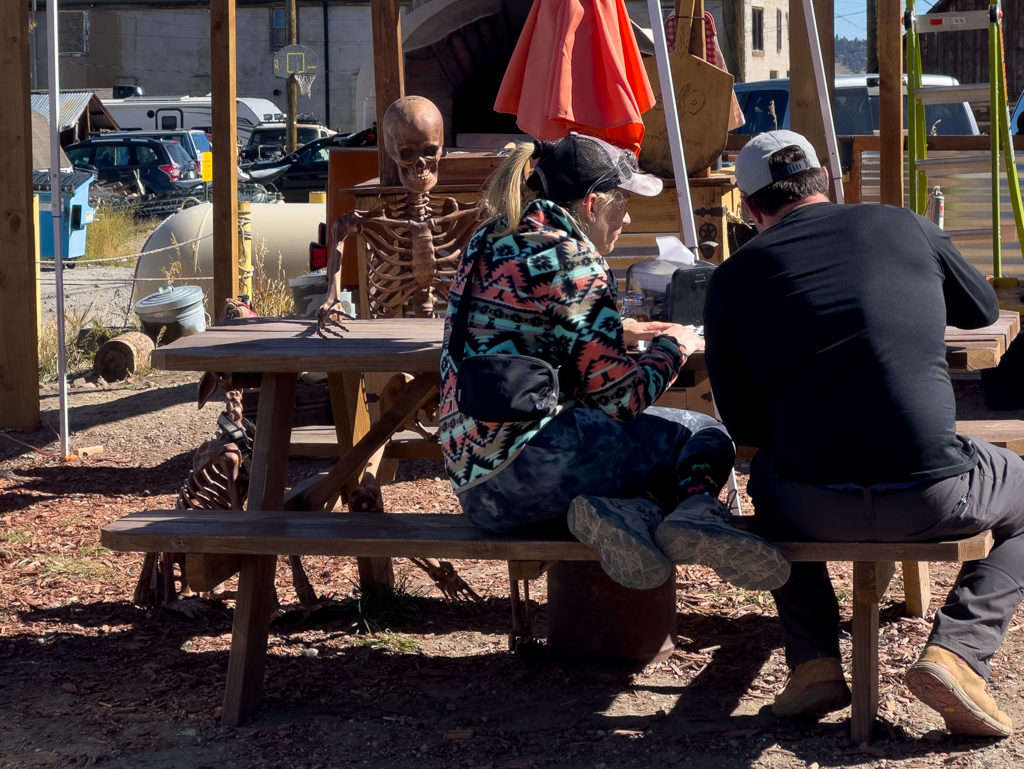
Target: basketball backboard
(295, 60)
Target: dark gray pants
(981, 604)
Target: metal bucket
(179, 309)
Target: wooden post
(19, 335)
(388, 74)
(890, 100)
(225, 154)
(804, 107)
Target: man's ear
(588, 208)
(754, 211)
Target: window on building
(778, 29)
(757, 29)
(278, 28)
(73, 33)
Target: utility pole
(872, 30)
(291, 138)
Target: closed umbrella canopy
(577, 67)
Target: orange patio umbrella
(577, 67)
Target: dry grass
(115, 232)
(83, 335)
(271, 296)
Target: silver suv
(765, 105)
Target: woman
(605, 462)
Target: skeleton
(219, 480)
(413, 245)
(413, 248)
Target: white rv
(164, 113)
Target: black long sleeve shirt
(825, 344)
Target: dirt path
(89, 679)
(104, 293)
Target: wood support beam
(225, 154)
(890, 100)
(804, 106)
(388, 74)
(19, 320)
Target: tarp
(577, 67)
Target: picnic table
(277, 522)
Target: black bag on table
(677, 291)
(499, 387)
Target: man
(825, 350)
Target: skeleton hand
(328, 320)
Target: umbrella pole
(687, 228)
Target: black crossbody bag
(499, 387)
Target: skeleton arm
(346, 224)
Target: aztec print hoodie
(543, 290)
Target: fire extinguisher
(937, 206)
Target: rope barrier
(134, 257)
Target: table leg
(348, 399)
(351, 415)
(351, 462)
(247, 660)
(917, 588)
(870, 579)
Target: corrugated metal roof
(70, 106)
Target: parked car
(193, 141)
(765, 105)
(148, 165)
(267, 141)
(297, 174)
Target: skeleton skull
(413, 135)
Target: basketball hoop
(305, 82)
(297, 61)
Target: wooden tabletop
(281, 346)
(414, 344)
(272, 345)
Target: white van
(765, 105)
(170, 113)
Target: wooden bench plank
(442, 535)
(322, 441)
(255, 536)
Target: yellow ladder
(994, 92)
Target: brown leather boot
(947, 684)
(815, 687)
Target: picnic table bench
(256, 537)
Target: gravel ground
(102, 292)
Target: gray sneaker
(622, 532)
(700, 530)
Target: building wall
(167, 52)
(771, 58)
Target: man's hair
(772, 198)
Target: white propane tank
(282, 231)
